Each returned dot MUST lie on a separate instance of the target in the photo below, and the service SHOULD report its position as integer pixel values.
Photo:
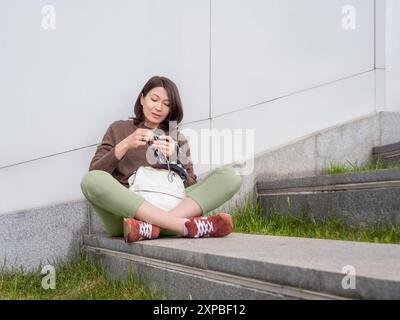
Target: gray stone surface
(357, 207)
(181, 283)
(387, 148)
(388, 153)
(96, 225)
(326, 180)
(389, 127)
(310, 264)
(41, 236)
(388, 159)
(352, 142)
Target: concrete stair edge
(310, 279)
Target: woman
(123, 149)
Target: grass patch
(248, 218)
(77, 280)
(337, 167)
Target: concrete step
(388, 153)
(360, 198)
(243, 266)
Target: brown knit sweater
(105, 159)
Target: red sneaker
(219, 225)
(135, 230)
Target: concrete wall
(283, 68)
(387, 52)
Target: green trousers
(113, 202)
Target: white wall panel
(44, 182)
(194, 63)
(266, 49)
(392, 55)
(380, 33)
(62, 87)
(380, 90)
(284, 120)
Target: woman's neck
(150, 124)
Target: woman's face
(155, 106)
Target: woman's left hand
(166, 144)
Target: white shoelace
(204, 227)
(145, 230)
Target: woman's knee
(91, 183)
(231, 178)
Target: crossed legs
(172, 220)
(113, 202)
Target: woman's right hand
(138, 138)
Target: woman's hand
(138, 138)
(166, 145)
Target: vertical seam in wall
(374, 34)
(375, 75)
(209, 68)
(209, 88)
(375, 90)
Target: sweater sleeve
(185, 159)
(104, 158)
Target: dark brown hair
(175, 104)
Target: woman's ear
(141, 99)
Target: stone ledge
(386, 148)
(360, 198)
(44, 235)
(326, 180)
(308, 264)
